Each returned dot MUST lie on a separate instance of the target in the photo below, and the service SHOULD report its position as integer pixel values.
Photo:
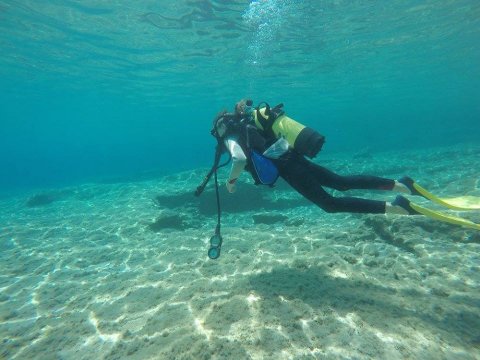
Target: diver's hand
(231, 187)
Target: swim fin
(444, 217)
(458, 203)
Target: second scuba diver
(250, 133)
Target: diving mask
(244, 107)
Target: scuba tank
(275, 124)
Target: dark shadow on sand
(380, 306)
(246, 198)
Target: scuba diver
(268, 144)
(249, 132)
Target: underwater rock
(474, 238)
(390, 234)
(269, 219)
(296, 222)
(41, 200)
(365, 153)
(380, 226)
(168, 221)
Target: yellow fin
(444, 217)
(459, 203)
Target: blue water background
(97, 91)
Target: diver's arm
(239, 160)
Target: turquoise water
(105, 113)
(94, 90)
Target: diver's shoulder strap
(266, 125)
(272, 114)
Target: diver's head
(244, 107)
(226, 122)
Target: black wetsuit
(308, 178)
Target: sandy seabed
(119, 271)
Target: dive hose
(216, 240)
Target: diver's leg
(338, 182)
(316, 194)
(301, 179)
